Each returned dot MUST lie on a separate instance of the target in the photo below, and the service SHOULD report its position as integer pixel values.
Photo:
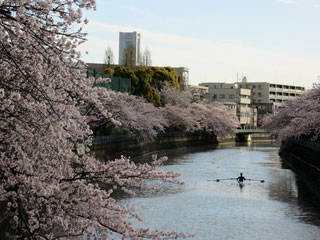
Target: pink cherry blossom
(50, 191)
(45, 97)
(299, 118)
(184, 115)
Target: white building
(244, 111)
(129, 48)
(227, 93)
(197, 92)
(183, 73)
(263, 92)
(266, 98)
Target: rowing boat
(241, 184)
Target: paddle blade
(218, 180)
(262, 181)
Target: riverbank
(303, 157)
(113, 147)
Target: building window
(231, 96)
(254, 86)
(259, 94)
(222, 96)
(259, 86)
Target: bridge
(248, 131)
(246, 135)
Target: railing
(251, 131)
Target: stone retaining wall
(303, 157)
(110, 148)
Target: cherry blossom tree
(49, 192)
(184, 115)
(136, 117)
(212, 118)
(215, 118)
(132, 115)
(175, 97)
(299, 118)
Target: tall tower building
(129, 48)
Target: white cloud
(207, 60)
(288, 1)
(141, 12)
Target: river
(282, 207)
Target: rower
(241, 178)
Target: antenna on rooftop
(244, 79)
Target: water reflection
(280, 208)
(284, 187)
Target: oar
(262, 181)
(249, 179)
(218, 180)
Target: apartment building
(244, 111)
(228, 93)
(263, 92)
(266, 98)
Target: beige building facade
(227, 93)
(183, 73)
(263, 92)
(197, 92)
(268, 98)
(265, 98)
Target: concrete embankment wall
(109, 148)
(303, 157)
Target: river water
(281, 208)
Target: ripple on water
(221, 210)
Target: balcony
(244, 101)
(272, 89)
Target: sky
(274, 41)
